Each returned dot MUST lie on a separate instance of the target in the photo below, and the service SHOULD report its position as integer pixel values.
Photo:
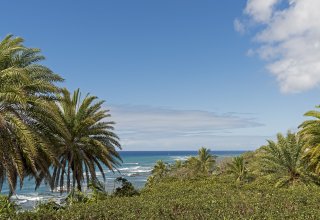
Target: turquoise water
(136, 167)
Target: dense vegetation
(53, 136)
(199, 198)
(266, 184)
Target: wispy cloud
(239, 26)
(288, 39)
(151, 128)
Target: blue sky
(180, 74)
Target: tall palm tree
(82, 137)
(310, 133)
(159, 169)
(282, 160)
(24, 84)
(238, 168)
(204, 162)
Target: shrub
(126, 189)
(7, 208)
(207, 198)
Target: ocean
(136, 168)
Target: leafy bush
(208, 198)
(50, 205)
(126, 189)
(7, 208)
(76, 196)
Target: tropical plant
(282, 161)
(97, 187)
(159, 169)
(75, 196)
(310, 133)
(177, 165)
(238, 168)
(50, 205)
(126, 188)
(214, 197)
(7, 208)
(98, 191)
(83, 139)
(203, 163)
(24, 84)
(150, 181)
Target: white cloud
(238, 26)
(260, 10)
(289, 40)
(149, 128)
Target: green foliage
(98, 191)
(126, 189)
(282, 161)
(206, 198)
(160, 169)
(203, 163)
(24, 86)
(238, 168)
(310, 133)
(177, 165)
(48, 206)
(43, 126)
(194, 167)
(82, 137)
(76, 196)
(182, 170)
(7, 208)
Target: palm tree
(177, 165)
(282, 160)
(82, 137)
(237, 167)
(310, 133)
(159, 169)
(204, 162)
(24, 84)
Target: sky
(181, 74)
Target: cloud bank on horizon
(288, 38)
(154, 128)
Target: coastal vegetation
(212, 197)
(25, 86)
(82, 137)
(238, 168)
(310, 133)
(62, 139)
(43, 127)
